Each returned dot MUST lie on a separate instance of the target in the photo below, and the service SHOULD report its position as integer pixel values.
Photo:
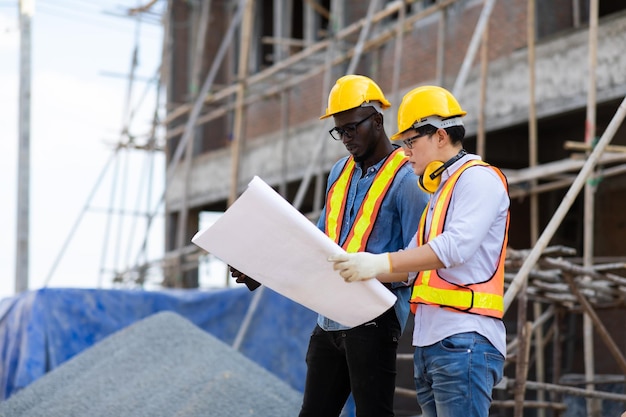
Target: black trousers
(361, 360)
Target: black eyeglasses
(348, 130)
(410, 141)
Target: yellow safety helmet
(351, 91)
(428, 104)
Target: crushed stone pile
(163, 366)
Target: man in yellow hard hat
(456, 260)
(372, 204)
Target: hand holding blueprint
(265, 237)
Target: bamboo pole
(576, 391)
(539, 405)
(199, 43)
(236, 145)
(534, 198)
(532, 120)
(363, 35)
(284, 142)
(282, 29)
(397, 59)
(580, 146)
(484, 64)
(557, 352)
(593, 406)
(483, 19)
(441, 46)
(521, 358)
(318, 8)
(320, 186)
(243, 53)
(576, 13)
(199, 46)
(604, 334)
(521, 369)
(540, 362)
(567, 202)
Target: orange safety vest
(484, 298)
(366, 217)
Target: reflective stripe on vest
(366, 217)
(485, 298)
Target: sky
(81, 57)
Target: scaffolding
(550, 279)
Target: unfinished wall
(561, 77)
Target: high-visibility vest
(366, 217)
(484, 298)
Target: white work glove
(361, 265)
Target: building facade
(527, 82)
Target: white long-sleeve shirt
(469, 247)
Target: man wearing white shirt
(455, 261)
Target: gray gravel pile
(161, 366)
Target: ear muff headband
(430, 180)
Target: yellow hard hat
(351, 91)
(428, 104)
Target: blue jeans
(361, 360)
(455, 376)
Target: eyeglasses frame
(344, 130)
(408, 143)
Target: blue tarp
(40, 330)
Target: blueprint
(265, 237)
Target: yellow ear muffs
(430, 180)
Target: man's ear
(442, 136)
(380, 122)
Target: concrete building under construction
(543, 83)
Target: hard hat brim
(435, 121)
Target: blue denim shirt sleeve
(395, 225)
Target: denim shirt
(393, 229)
